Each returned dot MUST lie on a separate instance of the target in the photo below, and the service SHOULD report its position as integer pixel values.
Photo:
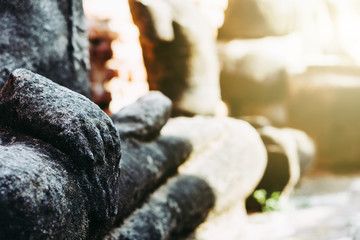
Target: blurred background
(294, 62)
(288, 62)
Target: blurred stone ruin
(162, 119)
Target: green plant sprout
(268, 203)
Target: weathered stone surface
(179, 54)
(145, 118)
(323, 103)
(41, 196)
(76, 179)
(144, 166)
(228, 154)
(75, 125)
(83, 178)
(147, 158)
(69, 189)
(47, 37)
(174, 210)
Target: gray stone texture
(148, 158)
(145, 118)
(173, 211)
(179, 53)
(63, 181)
(68, 170)
(40, 193)
(144, 166)
(47, 37)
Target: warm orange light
(130, 83)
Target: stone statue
(60, 169)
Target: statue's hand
(69, 121)
(143, 119)
(148, 158)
